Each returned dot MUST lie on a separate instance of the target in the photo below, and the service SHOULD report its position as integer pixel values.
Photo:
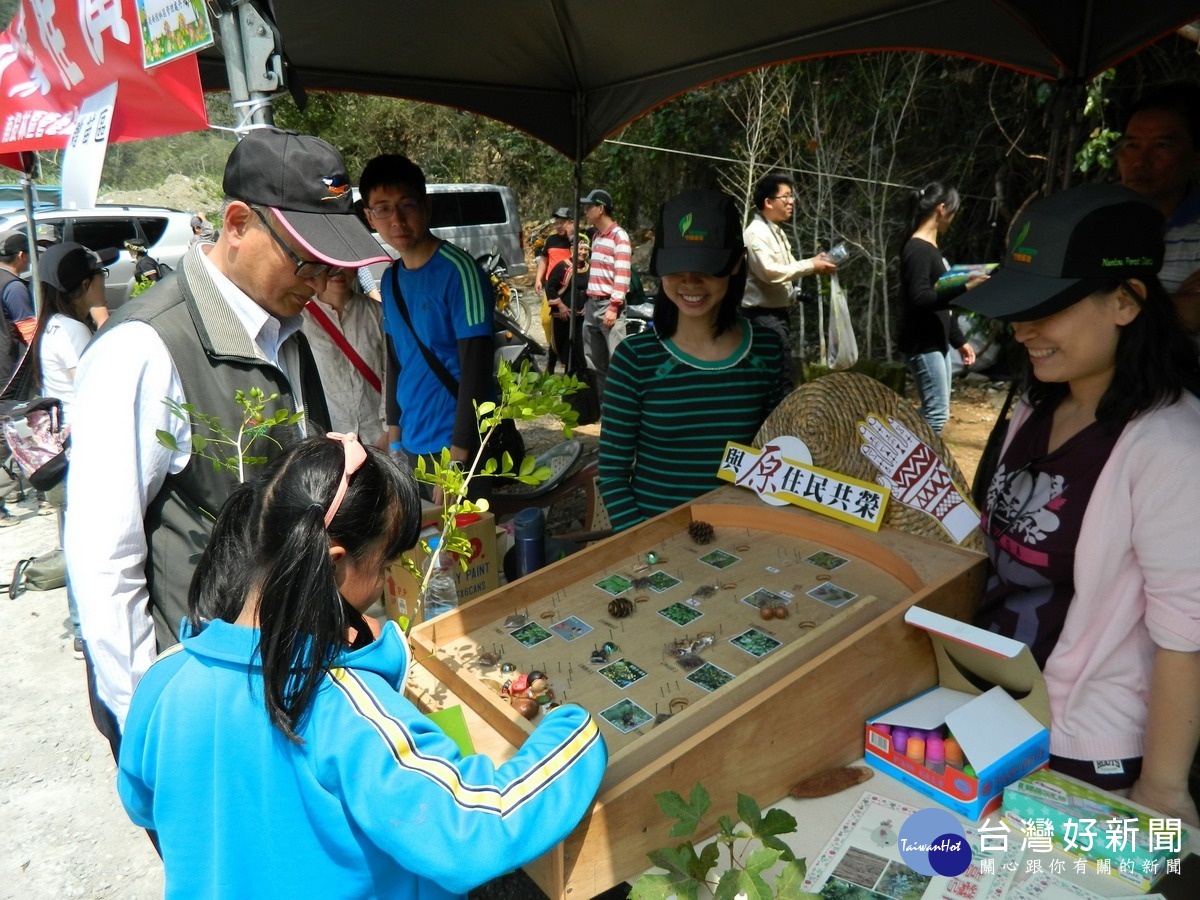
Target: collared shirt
(611, 265)
(354, 405)
(1182, 256)
(772, 265)
(118, 465)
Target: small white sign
(83, 160)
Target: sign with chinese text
(55, 54)
(83, 160)
(771, 475)
(171, 29)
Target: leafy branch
(752, 844)
(227, 449)
(523, 395)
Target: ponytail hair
(271, 543)
(928, 199)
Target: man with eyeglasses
(772, 268)
(437, 315)
(144, 495)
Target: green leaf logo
(685, 223)
(1020, 238)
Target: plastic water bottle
(441, 595)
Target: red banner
(58, 52)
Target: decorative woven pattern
(825, 414)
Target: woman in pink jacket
(1091, 515)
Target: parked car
(165, 233)
(479, 218)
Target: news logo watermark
(933, 842)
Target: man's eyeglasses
(786, 198)
(382, 212)
(305, 268)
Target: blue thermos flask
(529, 533)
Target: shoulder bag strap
(435, 364)
(344, 345)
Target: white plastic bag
(843, 346)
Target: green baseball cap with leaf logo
(1069, 245)
(697, 231)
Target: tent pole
(35, 282)
(253, 64)
(577, 179)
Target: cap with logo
(47, 234)
(1067, 246)
(697, 231)
(563, 213)
(303, 181)
(598, 198)
(66, 266)
(13, 242)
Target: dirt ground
(65, 834)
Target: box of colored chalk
(984, 726)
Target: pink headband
(355, 457)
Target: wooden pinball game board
(747, 661)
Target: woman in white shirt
(72, 306)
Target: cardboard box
(1079, 816)
(481, 575)
(1002, 738)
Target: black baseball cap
(563, 213)
(598, 198)
(66, 266)
(303, 181)
(1067, 246)
(697, 231)
(13, 242)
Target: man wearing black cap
(556, 249)
(14, 294)
(612, 272)
(228, 321)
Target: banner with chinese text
(55, 54)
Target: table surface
(819, 818)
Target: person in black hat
(72, 308)
(1089, 518)
(14, 296)
(704, 376)
(554, 250)
(611, 276)
(228, 323)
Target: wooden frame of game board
(798, 711)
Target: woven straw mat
(825, 414)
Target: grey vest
(214, 358)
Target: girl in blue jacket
(273, 750)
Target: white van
(478, 218)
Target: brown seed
(525, 706)
(766, 612)
(780, 611)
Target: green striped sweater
(668, 415)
